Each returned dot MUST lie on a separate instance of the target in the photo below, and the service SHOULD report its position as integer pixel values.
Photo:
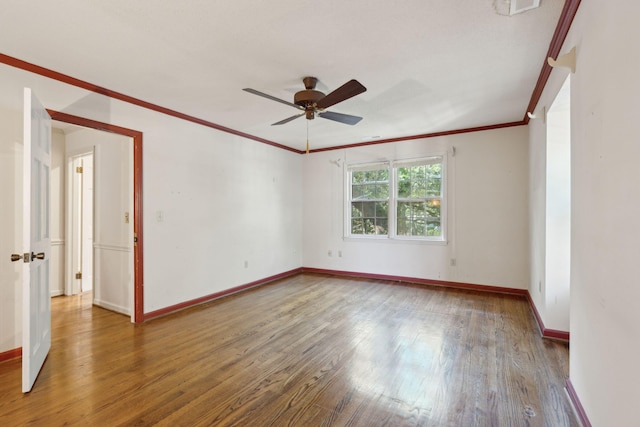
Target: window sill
(393, 240)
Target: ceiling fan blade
(288, 119)
(346, 91)
(339, 117)
(273, 98)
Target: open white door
(36, 298)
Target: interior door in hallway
(81, 220)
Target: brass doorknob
(39, 255)
(16, 257)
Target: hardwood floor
(311, 350)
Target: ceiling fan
(312, 102)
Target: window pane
(418, 182)
(403, 218)
(418, 189)
(404, 189)
(382, 191)
(369, 201)
(434, 186)
(433, 228)
(419, 210)
(404, 210)
(419, 228)
(371, 176)
(433, 208)
(382, 226)
(356, 210)
(419, 173)
(433, 219)
(369, 226)
(370, 191)
(369, 209)
(356, 191)
(370, 185)
(404, 182)
(369, 218)
(418, 218)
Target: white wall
(487, 215)
(225, 200)
(605, 320)
(58, 173)
(10, 229)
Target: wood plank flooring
(311, 350)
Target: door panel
(87, 223)
(36, 299)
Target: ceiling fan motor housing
(306, 98)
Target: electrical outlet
(539, 285)
(339, 254)
(246, 264)
(329, 252)
(452, 262)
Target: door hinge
(78, 275)
(135, 239)
(79, 169)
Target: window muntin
(401, 199)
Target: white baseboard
(112, 307)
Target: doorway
(134, 217)
(98, 215)
(558, 209)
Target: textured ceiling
(428, 65)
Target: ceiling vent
(519, 6)
(513, 7)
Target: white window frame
(392, 166)
(361, 168)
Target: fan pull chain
(307, 136)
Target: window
(419, 198)
(401, 199)
(370, 200)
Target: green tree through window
(413, 188)
(370, 202)
(419, 200)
